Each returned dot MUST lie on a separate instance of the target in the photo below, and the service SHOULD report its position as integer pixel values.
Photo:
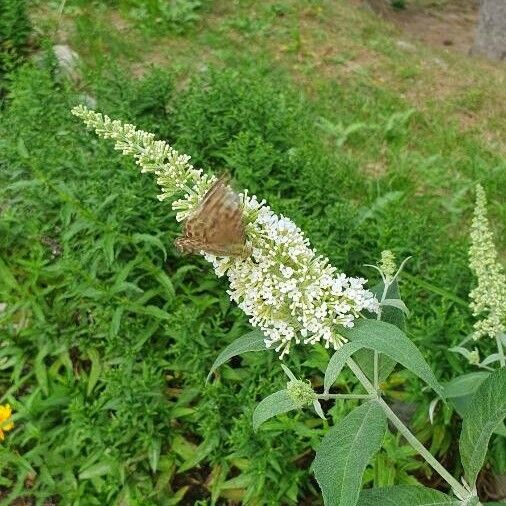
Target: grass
(108, 334)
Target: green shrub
(109, 334)
(156, 17)
(398, 4)
(14, 33)
(160, 15)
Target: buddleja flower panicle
(488, 298)
(387, 264)
(174, 172)
(292, 294)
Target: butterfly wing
(217, 226)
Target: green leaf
(389, 314)
(22, 151)
(397, 303)
(252, 341)
(152, 240)
(390, 340)
(116, 321)
(378, 206)
(200, 453)
(177, 497)
(108, 247)
(274, 404)
(337, 362)
(151, 311)
(500, 429)
(365, 359)
(460, 390)
(96, 369)
(40, 370)
(6, 276)
(96, 470)
(465, 384)
(154, 454)
(345, 451)
(166, 283)
(405, 494)
(486, 411)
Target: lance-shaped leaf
(390, 340)
(485, 412)
(252, 341)
(345, 451)
(389, 314)
(337, 362)
(460, 390)
(405, 494)
(274, 404)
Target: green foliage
(405, 494)
(398, 4)
(274, 404)
(384, 338)
(461, 389)
(153, 17)
(15, 30)
(395, 463)
(485, 412)
(252, 341)
(345, 451)
(161, 15)
(108, 335)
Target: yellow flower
(6, 423)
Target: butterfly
(217, 225)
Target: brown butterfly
(217, 225)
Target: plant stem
(345, 396)
(386, 286)
(376, 370)
(376, 471)
(412, 440)
(500, 349)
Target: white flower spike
(488, 299)
(287, 290)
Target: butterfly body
(217, 225)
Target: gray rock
(490, 38)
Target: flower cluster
(387, 264)
(6, 423)
(287, 290)
(301, 393)
(488, 299)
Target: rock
(68, 61)
(490, 38)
